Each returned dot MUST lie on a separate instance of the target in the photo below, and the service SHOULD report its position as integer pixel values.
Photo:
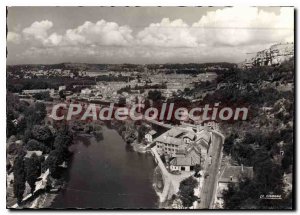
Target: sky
(143, 35)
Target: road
(211, 170)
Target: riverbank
(109, 174)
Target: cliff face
(273, 56)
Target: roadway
(209, 185)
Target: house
(36, 91)
(30, 153)
(86, 91)
(203, 140)
(178, 138)
(188, 137)
(15, 122)
(169, 142)
(186, 159)
(150, 136)
(60, 88)
(212, 124)
(231, 174)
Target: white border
(5, 3)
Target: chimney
(242, 168)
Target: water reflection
(107, 173)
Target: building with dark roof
(231, 174)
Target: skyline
(143, 35)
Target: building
(86, 91)
(35, 91)
(30, 153)
(186, 159)
(150, 136)
(168, 145)
(170, 141)
(231, 174)
(60, 88)
(186, 147)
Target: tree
(10, 127)
(61, 143)
(229, 142)
(243, 153)
(54, 159)
(19, 177)
(43, 96)
(155, 95)
(197, 170)
(288, 156)
(186, 191)
(40, 109)
(33, 170)
(41, 133)
(21, 126)
(122, 101)
(34, 145)
(267, 179)
(62, 94)
(141, 133)
(35, 114)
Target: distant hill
(121, 67)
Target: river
(108, 174)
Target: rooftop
(169, 140)
(203, 134)
(152, 132)
(30, 153)
(190, 159)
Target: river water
(108, 174)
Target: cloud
(13, 37)
(53, 40)
(100, 33)
(222, 35)
(244, 26)
(167, 34)
(38, 30)
(232, 26)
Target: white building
(60, 88)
